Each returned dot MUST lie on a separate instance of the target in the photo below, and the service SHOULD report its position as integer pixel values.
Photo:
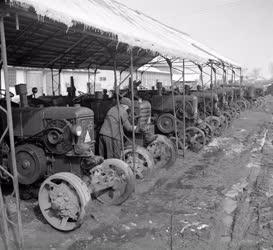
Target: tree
(256, 73)
(270, 68)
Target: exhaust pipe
(21, 90)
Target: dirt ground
(221, 198)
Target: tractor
(196, 135)
(54, 149)
(209, 111)
(151, 151)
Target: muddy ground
(221, 198)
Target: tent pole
(52, 82)
(202, 84)
(88, 74)
(1, 64)
(240, 81)
(133, 106)
(215, 77)
(173, 102)
(211, 87)
(95, 77)
(224, 76)
(184, 108)
(118, 104)
(4, 221)
(11, 134)
(59, 83)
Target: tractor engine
(143, 120)
(211, 103)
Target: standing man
(111, 132)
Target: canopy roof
(86, 33)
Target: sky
(241, 30)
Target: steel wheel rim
(191, 139)
(165, 123)
(144, 161)
(166, 153)
(80, 192)
(125, 183)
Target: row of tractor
(56, 143)
(56, 153)
(204, 115)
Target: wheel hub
(64, 201)
(104, 177)
(26, 164)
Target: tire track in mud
(234, 217)
(253, 220)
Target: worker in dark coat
(111, 132)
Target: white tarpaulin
(131, 27)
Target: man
(105, 95)
(111, 132)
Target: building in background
(103, 79)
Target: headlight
(76, 130)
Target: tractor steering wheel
(3, 93)
(78, 99)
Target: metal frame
(14, 175)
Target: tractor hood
(30, 121)
(206, 95)
(165, 102)
(66, 112)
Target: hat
(126, 101)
